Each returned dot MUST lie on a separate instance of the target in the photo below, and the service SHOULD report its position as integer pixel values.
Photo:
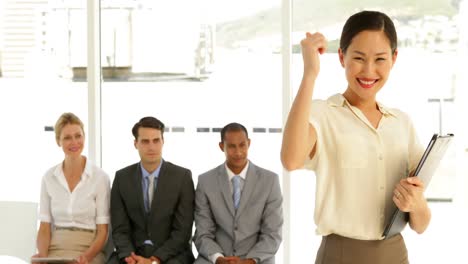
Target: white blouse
(85, 207)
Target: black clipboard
(428, 164)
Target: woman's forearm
(43, 239)
(420, 218)
(298, 140)
(98, 243)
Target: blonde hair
(66, 119)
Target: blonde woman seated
(74, 205)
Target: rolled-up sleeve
(44, 204)
(103, 200)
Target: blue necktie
(236, 190)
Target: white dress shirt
(242, 174)
(85, 207)
(358, 166)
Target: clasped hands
(234, 260)
(135, 259)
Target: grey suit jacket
(254, 231)
(169, 223)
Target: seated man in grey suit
(152, 204)
(238, 207)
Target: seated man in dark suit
(152, 204)
(238, 207)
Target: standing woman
(360, 150)
(74, 205)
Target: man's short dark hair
(233, 127)
(149, 122)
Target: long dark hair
(368, 20)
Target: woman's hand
(38, 256)
(81, 260)
(408, 195)
(312, 46)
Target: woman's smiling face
(367, 63)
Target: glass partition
(38, 49)
(197, 66)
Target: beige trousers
(68, 243)
(336, 249)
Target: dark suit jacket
(169, 223)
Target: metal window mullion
(93, 72)
(286, 51)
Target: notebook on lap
(51, 260)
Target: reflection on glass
(36, 87)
